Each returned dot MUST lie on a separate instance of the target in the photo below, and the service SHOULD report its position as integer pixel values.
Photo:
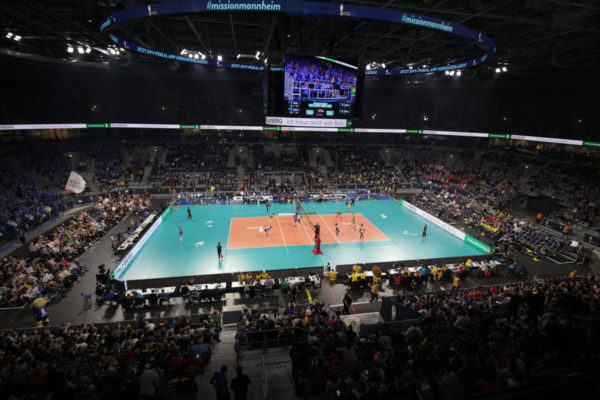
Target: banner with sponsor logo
(126, 262)
(308, 122)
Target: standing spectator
(149, 382)
(239, 385)
(219, 380)
(374, 294)
(347, 303)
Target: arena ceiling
(532, 36)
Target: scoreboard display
(318, 87)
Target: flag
(76, 183)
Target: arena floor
(392, 233)
(71, 307)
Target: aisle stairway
(269, 370)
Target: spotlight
(17, 38)
(446, 72)
(498, 70)
(183, 52)
(88, 50)
(202, 56)
(196, 56)
(9, 35)
(458, 73)
(451, 73)
(368, 67)
(190, 55)
(504, 69)
(70, 49)
(80, 50)
(219, 58)
(257, 54)
(383, 66)
(238, 56)
(424, 65)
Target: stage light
(70, 49)
(424, 65)
(504, 69)
(202, 56)
(190, 55)
(257, 54)
(451, 73)
(80, 50)
(196, 56)
(238, 56)
(88, 50)
(458, 73)
(383, 66)
(446, 72)
(183, 52)
(9, 35)
(368, 67)
(498, 70)
(17, 38)
(219, 58)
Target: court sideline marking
(282, 235)
(305, 231)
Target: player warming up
(181, 232)
(362, 231)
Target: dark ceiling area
(533, 37)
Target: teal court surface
(162, 255)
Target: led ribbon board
(296, 8)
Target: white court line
(305, 231)
(334, 235)
(282, 236)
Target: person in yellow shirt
(374, 294)
(434, 272)
(456, 282)
(573, 274)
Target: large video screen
(319, 87)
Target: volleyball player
(362, 231)
(354, 224)
(424, 234)
(181, 232)
(267, 229)
(337, 229)
(189, 214)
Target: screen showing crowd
(318, 88)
